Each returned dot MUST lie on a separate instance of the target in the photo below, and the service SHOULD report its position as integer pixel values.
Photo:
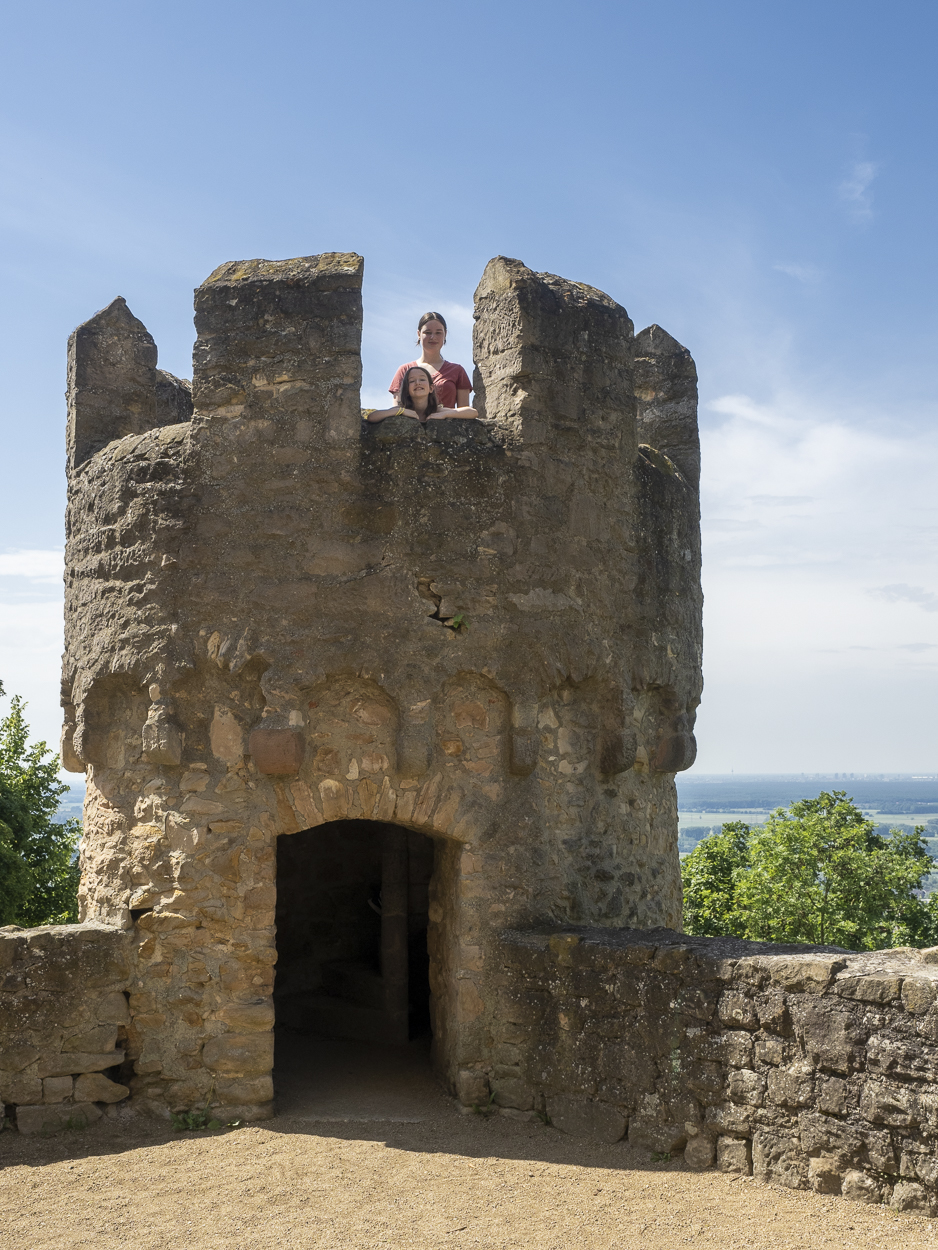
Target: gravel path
(334, 1174)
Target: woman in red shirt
(450, 382)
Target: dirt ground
(365, 1157)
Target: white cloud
(901, 592)
(855, 189)
(31, 659)
(808, 274)
(35, 565)
(804, 507)
(31, 635)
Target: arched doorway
(352, 916)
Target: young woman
(450, 381)
(417, 398)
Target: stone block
(586, 1117)
(729, 1119)
(833, 1038)
(513, 1092)
(112, 1009)
(95, 1087)
(778, 1157)
(162, 740)
(868, 988)
(774, 1015)
(791, 1087)
(861, 1187)
(918, 994)
(56, 1117)
(746, 1086)
(16, 1055)
(830, 1137)
(908, 1196)
(674, 959)
(248, 1017)
(257, 1090)
(770, 1050)
(804, 974)
(904, 1057)
(277, 752)
(73, 1062)
(825, 1175)
(17, 1089)
(58, 1088)
(738, 1048)
(895, 1105)
(523, 753)
(705, 1078)
(734, 1155)
(240, 1054)
(738, 1011)
(699, 1152)
(94, 1041)
(646, 1133)
(472, 1087)
(832, 1096)
(226, 737)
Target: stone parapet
(63, 1023)
(810, 1067)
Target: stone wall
(63, 1023)
(810, 1067)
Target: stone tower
(359, 698)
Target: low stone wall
(810, 1067)
(63, 1022)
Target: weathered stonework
(812, 1068)
(64, 1023)
(487, 633)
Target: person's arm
(463, 411)
(462, 399)
(379, 414)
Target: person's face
(432, 337)
(418, 384)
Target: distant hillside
(71, 802)
(886, 793)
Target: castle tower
(335, 688)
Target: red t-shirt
(446, 381)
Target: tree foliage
(38, 875)
(816, 872)
(709, 874)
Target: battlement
(481, 637)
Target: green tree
(38, 875)
(817, 872)
(709, 878)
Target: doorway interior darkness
(352, 904)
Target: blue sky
(760, 179)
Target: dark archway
(352, 915)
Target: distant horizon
(873, 775)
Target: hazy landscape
(706, 802)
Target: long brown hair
(403, 395)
